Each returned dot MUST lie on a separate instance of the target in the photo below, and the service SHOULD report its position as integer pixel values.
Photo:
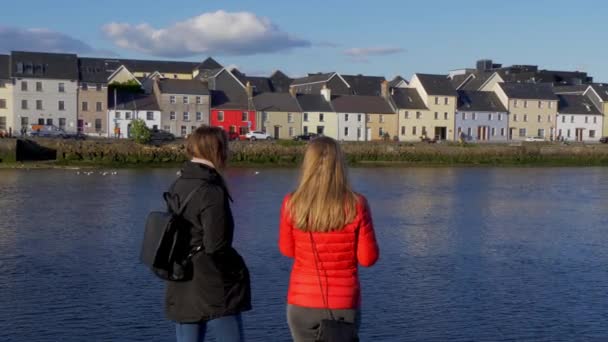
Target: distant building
(185, 104)
(7, 119)
(318, 115)
(598, 94)
(93, 95)
(578, 119)
(129, 107)
(439, 96)
(410, 112)
(280, 114)
(481, 117)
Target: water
(466, 255)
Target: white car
(257, 136)
(535, 139)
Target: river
(467, 254)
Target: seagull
(257, 172)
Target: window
(540, 119)
(469, 132)
(406, 115)
(98, 87)
(550, 104)
(62, 123)
(321, 117)
(514, 103)
(502, 132)
(185, 100)
(174, 76)
(97, 125)
(382, 118)
(586, 119)
(183, 131)
(61, 105)
(172, 99)
(150, 116)
(525, 117)
(540, 104)
(568, 132)
(571, 118)
(436, 116)
(595, 119)
(591, 133)
(413, 130)
(305, 129)
(199, 100)
(514, 117)
(20, 68)
(525, 104)
(493, 131)
(359, 117)
(245, 116)
(220, 116)
(305, 118)
(446, 101)
(559, 134)
(3, 123)
(345, 131)
(61, 87)
(172, 116)
(368, 118)
(489, 117)
(39, 104)
(128, 115)
(98, 107)
(49, 122)
(445, 116)
(38, 86)
(199, 116)
(25, 121)
(459, 130)
(84, 86)
(186, 116)
(474, 116)
(345, 117)
(436, 100)
(85, 106)
(23, 104)
(541, 133)
(358, 133)
(522, 132)
(117, 115)
(402, 130)
(321, 130)
(290, 118)
(291, 131)
(2, 103)
(499, 117)
(563, 119)
(23, 86)
(192, 129)
(418, 115)
(548, 118)
(464, 116)
(380, 132)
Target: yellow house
(318, 115)
(413, 117)
(598, 93)
(440, 98)
(7, 117)
(279, 114)
(532, 109)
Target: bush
(140, 132)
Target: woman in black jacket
(219, 289)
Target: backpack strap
(183, 204)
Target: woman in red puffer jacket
(327, 229)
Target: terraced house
(93, 95)
(185, 104)
(439, 96)
(7, 119)
(410, 110)
(280, 114)
(532, 109)
(578, 119)
(318, 115)
(598, 94)
(481, 117)
(46, 89)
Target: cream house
(411, 112)
(440, 97)
(318, 116)
(280, 114)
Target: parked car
(160, 135)
(50, 131)
(604, 140)
(535, 139)
(255, 135)
(305, 137)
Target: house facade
(185, 104)
(410, 113)
(439, 96)
(598, 94)
(532, 109)
(128, 108)
(93, 95)
(578, 119)
(7, 119)
(318, 115)
(280, 115)
(351, 118)
(45, 89)
(481, 117)
(314, 83)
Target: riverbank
(121, 154)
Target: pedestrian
(219, 289)
(327, 229)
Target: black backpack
(166, 246)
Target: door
(579, 134)
(440, 133)
(49, 122)
(277, 130)
(320, 130)
(511, 130)
(81, 125)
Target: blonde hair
(209, 143)
(323, 200)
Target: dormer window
(20, 68)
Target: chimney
(384, 89)
(249, 89)
(326, 92)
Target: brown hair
(323, 200)
(209, 143)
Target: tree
(140, 132)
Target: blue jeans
(224, 329)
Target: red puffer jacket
(339, 252)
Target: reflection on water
(466, 254)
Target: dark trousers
(304, 322)
(224, 329)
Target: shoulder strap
(324, 295)
(183, 204)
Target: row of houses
(99, 96)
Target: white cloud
(44, 40)
(362, 54)
(215, 33)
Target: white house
(130, 107)
(578, 119)
(481, 117)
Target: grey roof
(209, 64)
(280, 82)
(313, 103)
(398, 79)
(476, 81)
(130, 101)
(601, 90)
(60, 66)
(96, 70)
(408, 98)
(361, 104)
(276, 102)
(457, 80)
(5, 67)
(183, 87)
(164, 67)
(364, 85)
(529, 91)
(570, 89)
(260, 84)
(207, 73)
(577, 104)
(481, 101)
(313, 78)
(437, 85)
(227, 93)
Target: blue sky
(385, 38)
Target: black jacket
(220, 282)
